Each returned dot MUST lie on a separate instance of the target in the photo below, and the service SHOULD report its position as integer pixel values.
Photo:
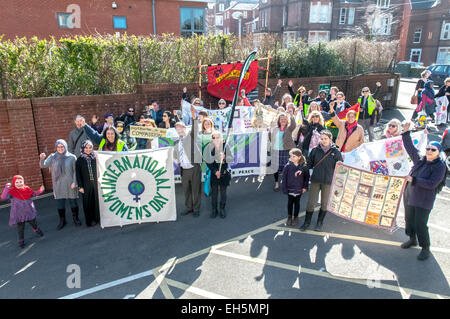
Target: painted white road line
(357, 238)
(167, 265)
(108, 285)
(194, 290)
(25, 268)
(327, 275)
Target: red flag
(343, 114)
(223, 79)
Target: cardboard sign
(147, 132)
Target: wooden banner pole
(200, 80)
(267, 78)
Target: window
(289, 39)
(415, 55)
(318, 36)
(443, 56)
(351, 16)
(192, 20)
(383, 3)
(65, 20)
(342, 15)
(119, 22)
(219, 20)
(417, 35)
(245, 14)
(221, 7)
(382, 25)
(445, 32)
(320, 12)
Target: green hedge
(108, 65)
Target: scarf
(87, 157)
(428, 91)
(350, 129)
(325, 149)
(60, 159)
(24, 193)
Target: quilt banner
(223, 79)
(136, 187)
(387, 156)
(441, 110)
(364, 197)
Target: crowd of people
(306, 153)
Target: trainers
(424, 254)
(39, 232)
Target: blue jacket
(426, 176)
(294, 184)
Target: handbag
(414, 99)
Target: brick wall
(29, 127)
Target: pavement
(249, 254)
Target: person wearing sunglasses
(127, 118)
(308, 135)
(424, 182)
(168, 120)
(393, 129)
(368, 109)
(222, 104)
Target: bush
(111, 64)
(415, 72)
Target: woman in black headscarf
(86, 170)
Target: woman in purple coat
(424, 181)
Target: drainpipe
(154, 19)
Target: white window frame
(447, 60)
(351, 16)
(219, 20)
(317, 11)
(411, 54)
(383, 4)
(221, 7)
(245, 14)
(420, 35)
(342, 15)
(445, 30)
(316, 33)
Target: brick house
(61, 18)
(427, 37)
(249, 13)
(326, 20)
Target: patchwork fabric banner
(136, 187)
(387, 156)
(249, 150)
(441, 110)
(366, 198)
(223, 79)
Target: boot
(411, 242)
(214, 212)
(289, 220)
(62, 219)
(75, 216)
(39, 232)
(424, 254)
(295, 221)
(223, 213)
(319, 224)
(22, 243)
(307, 222)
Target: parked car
(412, 63)
(439, 72)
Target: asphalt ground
(250, 254)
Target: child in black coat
(295, 183)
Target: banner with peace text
(386, 156)
(223, 79)
(249, 150)
(136, 187)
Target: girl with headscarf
(62, 168)
(86, 170)
(22, 206)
